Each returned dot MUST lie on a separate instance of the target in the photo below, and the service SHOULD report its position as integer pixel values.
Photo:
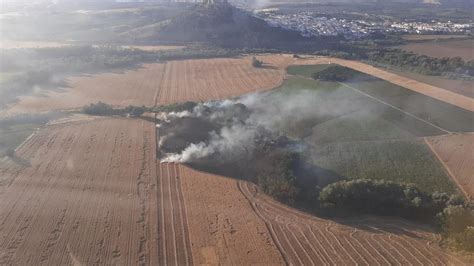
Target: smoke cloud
(232, 129)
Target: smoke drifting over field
(230, 130)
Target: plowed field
(85, 195)
(456, 152)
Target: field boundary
(396, 108)
(448, 170)
(434, 92)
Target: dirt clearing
(456, 153)
(85, 193)
(423, 88)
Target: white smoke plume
(248, 120)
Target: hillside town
(311, 24)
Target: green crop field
(373, 129)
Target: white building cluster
(310, 24)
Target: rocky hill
(223, 25)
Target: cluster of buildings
(310, 24)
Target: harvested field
(308, 240)
(135, 87)
(171, 82)
(423, 88)
(206, 79)
(223, 228)
(446, 48)
(456, 152)
(84, 194)
(174, 245)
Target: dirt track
(86, 194)
(423, 88)
(456, 153)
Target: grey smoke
(248, 121)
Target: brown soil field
(308, 240)
(463, 87)
(174, 81)
(456, 153)
(446, 48)
(206, 79)
(83, 194)
(423, 88)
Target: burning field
(189, 183)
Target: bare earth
(174, 81)
(423, 88)
(456, 152)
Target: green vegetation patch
(404, 161)
(357, 137)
